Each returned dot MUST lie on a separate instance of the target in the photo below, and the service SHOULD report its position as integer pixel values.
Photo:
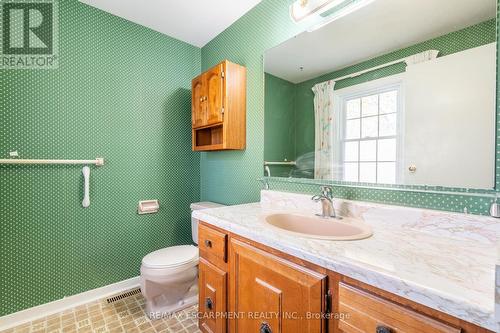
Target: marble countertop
(442, 260)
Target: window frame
(359, 91)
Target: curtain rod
(411, 60)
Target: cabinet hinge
(222, 74)
(328, 302)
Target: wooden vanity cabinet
(273, 294)
(248, 287)
(262, 292)
(219, 108)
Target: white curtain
(323, 121)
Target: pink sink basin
(320, 228)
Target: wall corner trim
(47, 309)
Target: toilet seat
(172, 257)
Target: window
(370, 136)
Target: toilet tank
(194, 222)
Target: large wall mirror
(397, 92)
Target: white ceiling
(381, 27)
(193, 21)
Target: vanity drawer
(365, 312)
(212, 244)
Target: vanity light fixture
(302, 9)
(325, 11)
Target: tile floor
(125, 315)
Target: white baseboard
(68, 302)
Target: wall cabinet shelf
(219, 108)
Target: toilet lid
(171, 256)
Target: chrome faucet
(326, 198)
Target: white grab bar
(86, 175)
(97, 161)
(281, 163)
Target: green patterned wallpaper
(230, 177)
(121, 92)
(279, 119)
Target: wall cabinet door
(214, 94)
(198, 102)
(212, 298)
(273, 295)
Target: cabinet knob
(201, 99)
(265, 328)
(209, 304)
(383, 329)
(208, 243)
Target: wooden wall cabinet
(219, 108)
(248, 287)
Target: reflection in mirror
(397, 92)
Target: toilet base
(169, 290)
(161, 312)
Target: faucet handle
(327, 191)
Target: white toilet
(169, 277)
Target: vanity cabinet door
(269, 294)
(215, 89)
(198, 102)
(212, 298)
